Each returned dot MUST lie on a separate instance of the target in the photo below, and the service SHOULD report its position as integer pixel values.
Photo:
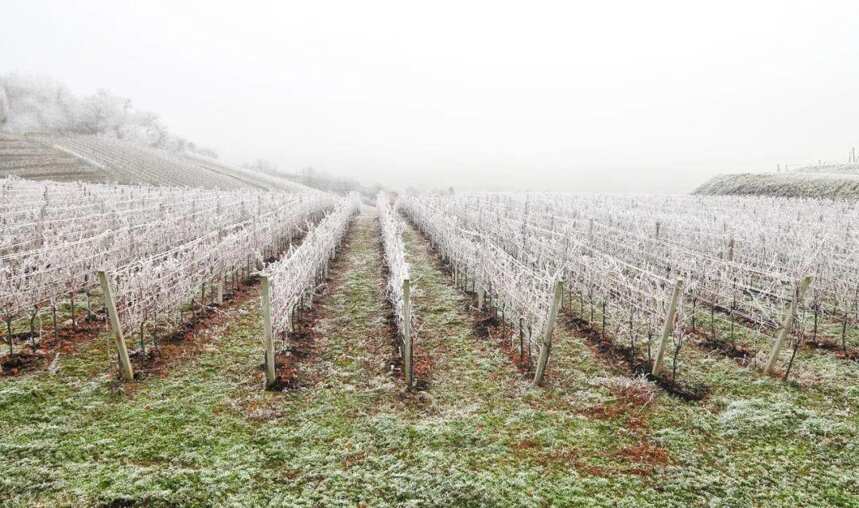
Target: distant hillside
(49, 133)
(71, 157)
(848, 168)
(796, 185)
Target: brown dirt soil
(738, 352)
(22, 362)
(489, 327)
(66, 341)
(827, 344)
(300, 351)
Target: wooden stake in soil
(407, 333)
(269, 334)
(72, 310)
(547, 335)
(9, 336)
(219, 293)
(667, 328)
(787, 322)
(118, 339)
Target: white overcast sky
(595, 96)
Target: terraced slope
(100, 159)
(246, 175)
(126, 162)
(29, 159)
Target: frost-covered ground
(204, 433)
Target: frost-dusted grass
(206, 434)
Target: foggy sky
(591, 96)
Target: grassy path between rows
(479, 434)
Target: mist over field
(614, 96)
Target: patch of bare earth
(49, 346)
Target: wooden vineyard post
(787, 322)
(219, 290)
(667, 328)
(118, 339)
(269, 334)
(407, 333)
(546, 347)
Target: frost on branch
(296, 276)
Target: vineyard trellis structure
(57, 236)
(288, 285)
(161, 284)
(528, 296)
(646, 272)
(744, 259)
(398, 286)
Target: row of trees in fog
(40, 104)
